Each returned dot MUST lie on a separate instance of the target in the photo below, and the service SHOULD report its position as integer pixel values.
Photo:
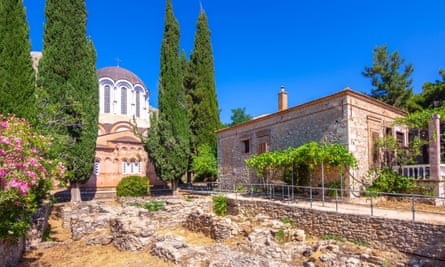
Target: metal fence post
(372, 205)
(310, 196)
(336, 200)
(288, 194)
(413, 207)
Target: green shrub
(240, 188)
(133, 186)
(286, 220)
(220, 205)
(333, 188)
(151, 205)
(390, 181)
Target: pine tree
(204, 118)
(16, 74)
(433, 94)
(390, 86)
(69, 89)
(168, 139)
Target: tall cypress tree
(16, 73)
(69, 89)
(168, 139)
(204, 109)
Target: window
(400, 139)
(96, 166)
(124, 167)
(107, 99)
(131, 167)
(124, 101)
(375, 151)
(245, 146)
(262, 148)
(138, 103)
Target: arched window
(138, 103)
(96, 166)
(124, 101)
(107, 98)
(131, 167)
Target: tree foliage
(239, 116)
(391, 78)
(168, 140)
(433, 94)
(204, 163)
(16, 73)
(204, 119)
(68, 93)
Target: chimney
(282, 99)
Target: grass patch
(361, 244)
(333, 237)
(286, 220)
(151, 205)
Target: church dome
(118, 73)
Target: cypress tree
(69, 89)
(16, 73)
(204, 118)
(168, 140)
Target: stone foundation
(416, 238)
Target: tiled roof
(118, 73)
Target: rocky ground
(186, 233)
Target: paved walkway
(349, 208)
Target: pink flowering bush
(25, 174)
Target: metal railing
(366, 202)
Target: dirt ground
(77, 253)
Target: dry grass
(406, 205)
(77, 253)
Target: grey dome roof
(118, 73)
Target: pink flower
(32, 175)
(18, 140)
(4, 124)
(33, 162)
(4, 141)
(2, 152)
(33, 150)
(19, 184)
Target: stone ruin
(261, 241)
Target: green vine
(269, 165)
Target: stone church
(119, 152)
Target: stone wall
(406, 236)
(347, 117)
(11, 250)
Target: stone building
(346, 117)
(119, 152)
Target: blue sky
(313, 48)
